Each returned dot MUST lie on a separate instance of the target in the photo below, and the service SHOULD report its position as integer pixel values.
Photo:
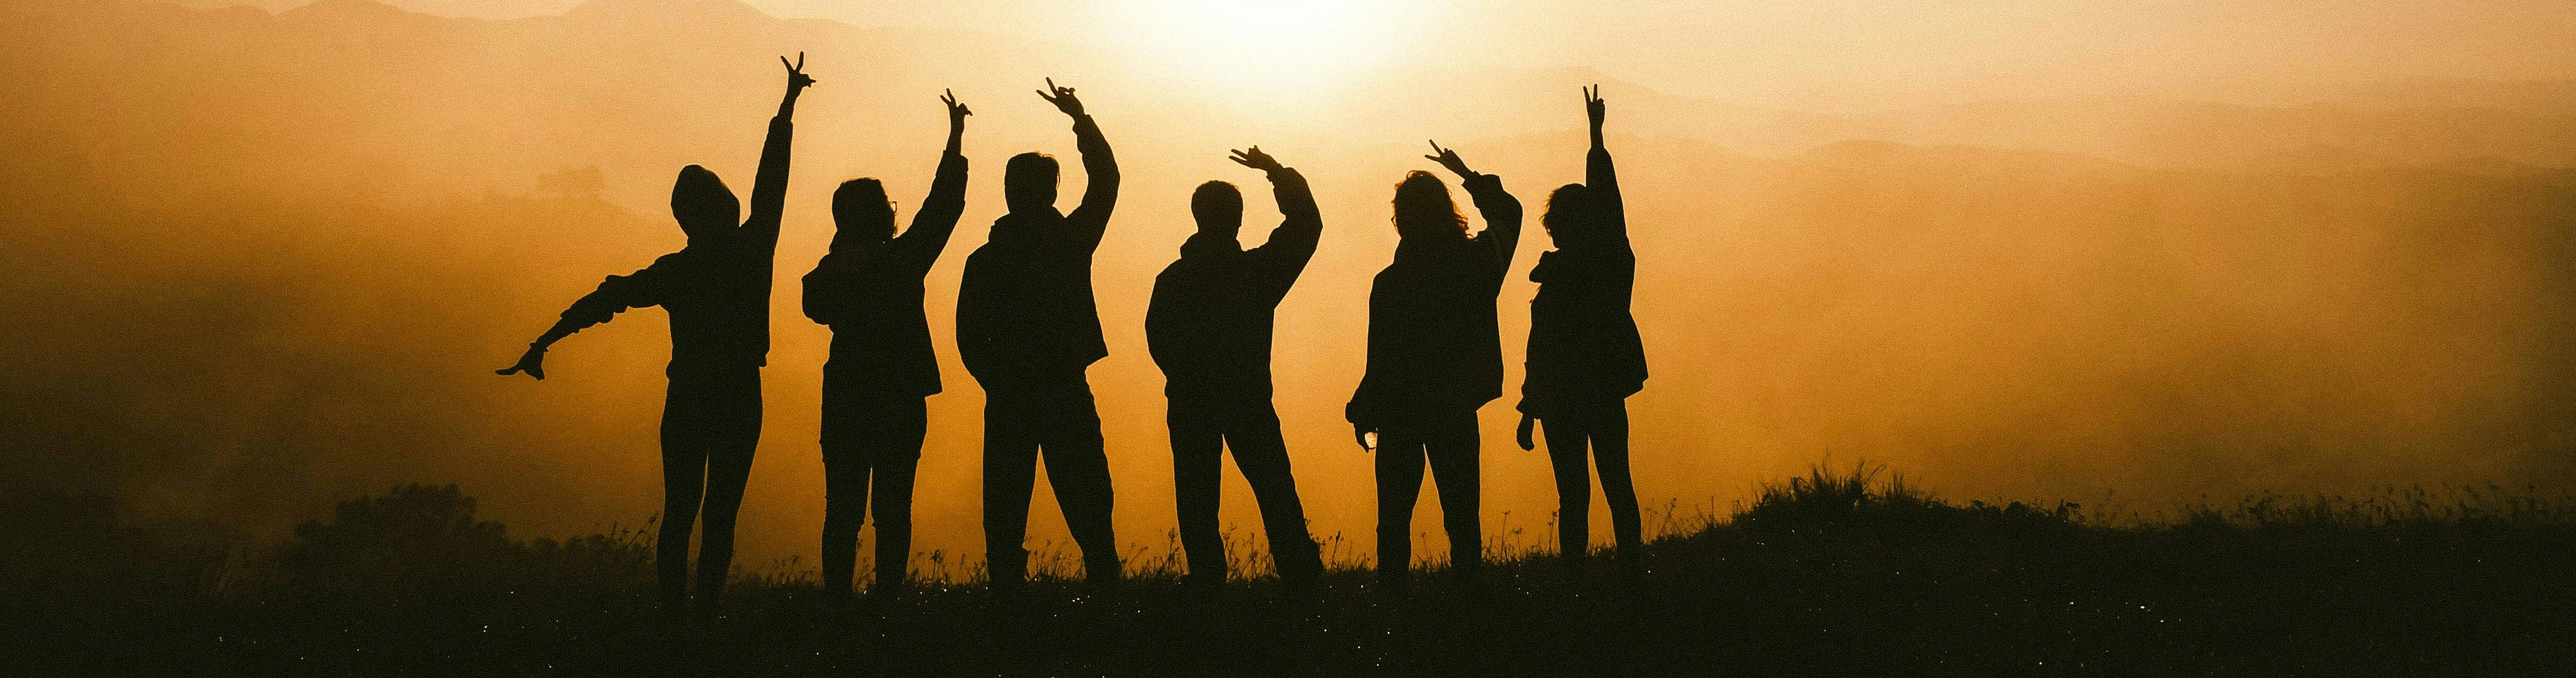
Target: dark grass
(1836, 573)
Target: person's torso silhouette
(716, 290)
(1209, 326)
(1585, 356)
(1434, 357)
(868, 288)
(1027, 328)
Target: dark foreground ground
(1823, 577)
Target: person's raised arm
(921, 244)
(614, 295)
(1100, 192)
(1502, 211)
(1601, 180)
(769, 187)
(1292, 244)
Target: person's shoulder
(680, 259)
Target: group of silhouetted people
(1028, 330)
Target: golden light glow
(1292, 45)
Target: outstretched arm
(1100, 193)
(769, 187)
(1292, 244)
(928, 236)
(1502, 211)
(615, 295)
(1598, 175)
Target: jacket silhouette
(716, 290)
(1209, 326)
(1027, 328)
(1585, 357)
(1434, 357)
(868, 289)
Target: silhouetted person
(1209, 326)
(1027, 328)
(1435, 354)
(717, 292)
(868, 288)
(1584, 354)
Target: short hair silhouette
(1028, 182)
(861, 210)
(1423, 207)
(702, 204)
(1569, 213)
(1218, 206)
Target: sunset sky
(265, 259)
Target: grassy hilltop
(1831, 574)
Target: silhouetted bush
(422, 543)
(1827, 500)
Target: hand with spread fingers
(1256, 159)
(1449, 158)
(1593, 105)
(957, 112)
(532, 362)
(1062, 98)
(796, 77)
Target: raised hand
(1592, 105)
(1063, 99)
(956, 111)
(533, 362)
(796, 78)
(1449, 158)
(1528, 426)
(1256, 159)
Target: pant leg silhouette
(1202, 430)
(868, 442)
(1603, 428)
(1055, 420)
(1198, 449)
(710, 427)
(1448, 442)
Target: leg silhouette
(1198, 449)
(1263, 456)
(869, 445)
(736, 399)
(1453, 452)
(845, 495)
(684, 477)
(1610, 453)
(1567, 451)
(1078, 468)
(1010, 473)
(895, 454)
(1399, 484)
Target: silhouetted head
(1028, 182)
(702, 204)
(1423, 208)
(1571, 218)
(1218, 206)
(861, 210)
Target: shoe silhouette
(717, 292)
(868, 289)
(1209, 326)
(1027, 329)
